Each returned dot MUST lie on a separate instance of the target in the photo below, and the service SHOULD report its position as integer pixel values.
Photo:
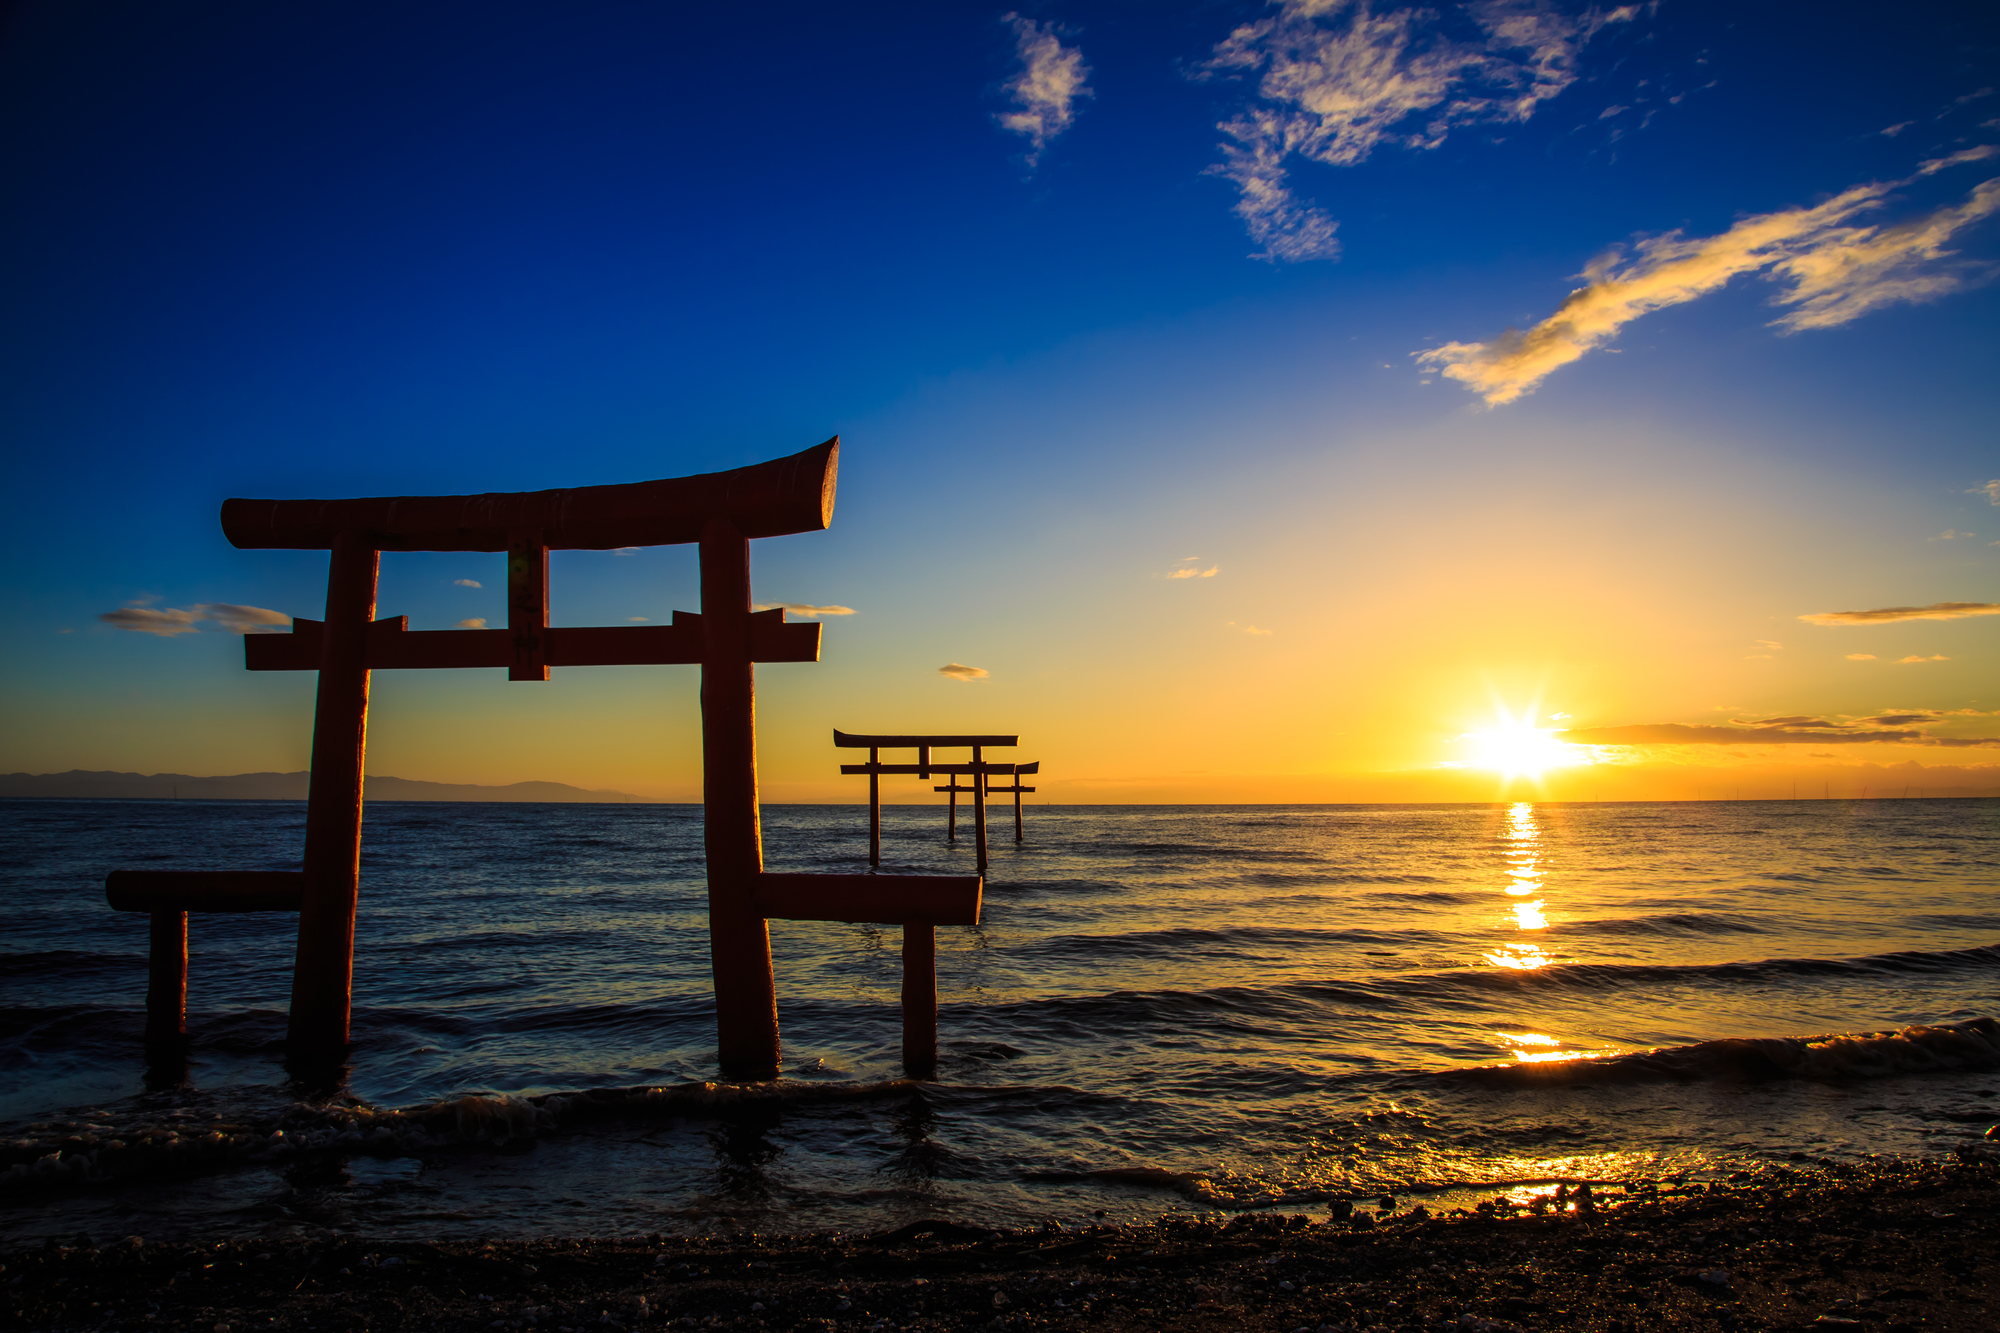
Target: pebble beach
(1891, 1243)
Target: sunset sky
(1240, 401)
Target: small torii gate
(978, 770)
(721, 512)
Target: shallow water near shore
(1185, 1007)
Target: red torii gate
(722, 512)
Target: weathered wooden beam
(940, 900)
(913, 771)
(393, 646)
(204, 890)
(842, 740)
(783, 496)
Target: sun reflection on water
(1524, 878)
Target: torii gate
(722, 512)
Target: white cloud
(1339, 79)
(1045, 91)
(467, 583)
(960, 672)
(1991, 490)
(225, 616)
(1831, 272)
(1896, 129)
(474, 623)
(1192, 573)
(806, 609)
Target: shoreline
(1893, 1243)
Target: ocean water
(1218, 1007)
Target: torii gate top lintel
(771, 499)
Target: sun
(1517, 748)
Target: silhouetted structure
(721, 512)
(978, 770)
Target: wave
(1833, 1057)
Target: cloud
(145, 620)
(244, 619)
(225, 616)
(474, 623)
(1339, 79)
(1896, 129)
(1935, 657)
(1884, 614)
(1991, 490)
(1952, 534)
(1677, 733)
(639, 620)
(1861, 657)
(467, 583)
(1192, 573)
(1044, 92)
(960, 671)
(1829, 272)
(806, 609)
(1931, 166)
(1766, 643)
(1250, 629)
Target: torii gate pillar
(739, 941)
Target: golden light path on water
(1527, 885)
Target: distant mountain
(79, 784)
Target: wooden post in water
(979, 805)
(167, 979)
(323, 976)
(920, 1005)
(739, 941)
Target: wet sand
(1893, 1244)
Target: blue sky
(1087, 290)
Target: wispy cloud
(806, 609)
(1991, 490)
(1339, 78)
(961, 672)
(1861, 657)
(1932, 166)
(1884, 614)
(1250, 629)
(1952, 535)
(227, 617)
(1680, 733)
(145, 620)
(1192, 573)
(1830, 271)
(474, 623)
(467, 583)
(1045, 91)
(1935, 657)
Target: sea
(1163, 1009)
